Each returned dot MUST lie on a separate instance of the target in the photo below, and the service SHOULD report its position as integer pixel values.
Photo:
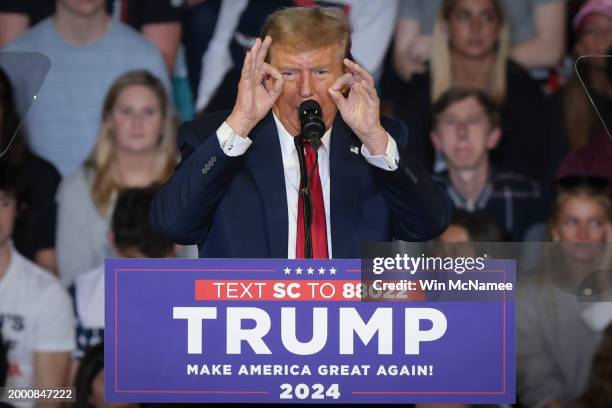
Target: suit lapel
(346, 173)
(265, 161)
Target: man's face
(582, 222)
(306, 75)
(463, 133)
(83, 8)
(473, 28)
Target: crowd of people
(507, 102)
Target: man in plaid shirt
(466, 128)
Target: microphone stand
(304, 189)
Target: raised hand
(255, 99)
(361, 109)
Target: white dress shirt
(234, 145)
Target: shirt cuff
(389, 161)
(232, 143)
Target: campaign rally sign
(306, 331)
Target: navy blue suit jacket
(237, 206)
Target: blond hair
(441, 63)
(308, 28)
(102, 161)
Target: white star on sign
(287, 270)
(321, 271)
(332, 270)
(310, 271)
(298, 270)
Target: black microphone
(311, 122)
(312, 129)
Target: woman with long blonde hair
(462, 59)
(135, 148)
(469, 50)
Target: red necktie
(318, 228)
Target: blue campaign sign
(307, 331)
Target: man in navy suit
(235, 192)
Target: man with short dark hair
(466, 128)
(131, 236)
(235, 192)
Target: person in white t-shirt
(36, 317)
